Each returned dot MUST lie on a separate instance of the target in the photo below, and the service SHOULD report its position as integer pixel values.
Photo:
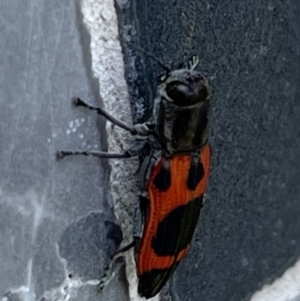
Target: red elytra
(171, 220)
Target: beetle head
(184, 87)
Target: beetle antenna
(167, 69)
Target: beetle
(174, 153)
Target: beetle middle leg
(97, 154)
(138, 148)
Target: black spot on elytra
(162, 181)
(176, 230)
(195, 175)
(150, 283)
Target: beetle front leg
(80, 103)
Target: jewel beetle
(174, 155)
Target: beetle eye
(180, 93)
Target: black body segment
(202, 125)
(180, 127)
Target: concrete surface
(57, 224)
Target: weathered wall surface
(57, 218)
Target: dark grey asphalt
(249, 229)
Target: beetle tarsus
(75, 101)
(78, 102)
(60, 155)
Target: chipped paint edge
(100, 19)
(285, 288)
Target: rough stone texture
(108, 66)
(248, 233)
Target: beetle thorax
(181, 111)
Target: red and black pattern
(175, 192)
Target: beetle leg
(136, 149)
(109, 271)
(139, 216)
(80, 103)
(62, 154)
(115, 260)
(144, 129)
